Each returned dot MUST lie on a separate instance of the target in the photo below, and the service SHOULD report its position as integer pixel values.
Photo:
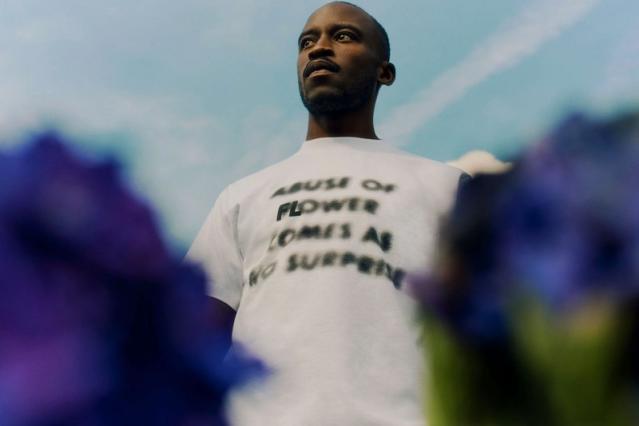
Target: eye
(344, 36)
(305, 43)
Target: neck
(354, 123)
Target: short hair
(385, 47)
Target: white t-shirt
(314, 253)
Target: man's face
(338, 60)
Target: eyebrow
(333, 28)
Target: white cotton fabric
(318, 303)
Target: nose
(321, 48)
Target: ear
(386, 74)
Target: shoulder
(427, 167)
(254, 184)
(437, 182)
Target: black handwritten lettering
(371, 206)
(261, 272)
(253, 277)
(363, 264)
(397, 278)
(309, 264)
(348, 258)
(373, 185)
(292, 263)
(285, 237)
(283, 208)
(309, 232)
(383, 240)
(295, 187)
(309, 206)
(291, 208)
(280, 191)
(342, 183)
(268, 270)
(328, 232)
(313, 185)
(329, 258)
(271, 244)
(346, 231)
(380, 268)
(294, 210)
(333, 205)
(395, 275)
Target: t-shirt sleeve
(453, 181)
(216, 250)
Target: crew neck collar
(348, 142)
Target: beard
(352, 98)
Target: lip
(320, 67)
(320, 72)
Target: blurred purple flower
(99, 323)
(562, 225)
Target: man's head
(343, 59)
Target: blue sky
(195, 94)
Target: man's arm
(215, 249)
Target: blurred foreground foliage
(100, 324)
(531, 316)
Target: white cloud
(266, 136)
(181, 161)
(522, 36)
(164, 146)
(236, 25)
(622, 71)
(178, 157)
(49, 29)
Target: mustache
(320, 64)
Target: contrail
(520, 37)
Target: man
(312, 254)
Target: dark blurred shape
(532, 311)
(100, 324)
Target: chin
(325, 105)
(320, 91)
(324, 101)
